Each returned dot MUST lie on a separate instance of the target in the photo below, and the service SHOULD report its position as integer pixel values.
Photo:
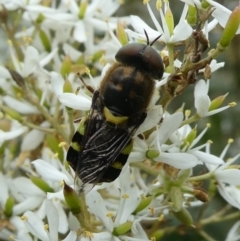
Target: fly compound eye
(143, 57)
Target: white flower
(56, 219)
(33, 138)
(33, 62)
(181, 32)
(204, 157)
(129, 200)
(50, 173)
(202, 101)
(227, 178)
(156, 142)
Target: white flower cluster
(48, 44)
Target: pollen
(230, 141)
(62, 144)
(62, 183)
(103, 60)
(232, 104)
(125, 195)
(187, 143)
(87, 71)
(24, 218)
(9, 42)
(145, 1)
(158, 4)
(46, 227)
(110, 215)
(27, 40)
(208, 125)
(63, 126)
(210, 142)
(187, 113)
(11, 237)
(170, 204)
(160, 218)
(55, 156)
(88, 234)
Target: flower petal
(75, 101)
(178, 160)
(181, 32)
(79, 32)
(48, 172)
(169, 125)
(230, 176)
(35, 226)
(207, 158)
(154, 115)
(20, 106)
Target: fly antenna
(146, 36)
(155, 40)
(148, 43)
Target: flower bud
(143, 204)
(230, 28)
(122, 228)
(82, 9)
(158, 235)
(191, 15)
(72, 199)
(67, 87)
(151, 154)
(191, 136)
(13, 114)
(9, 206)
(66, 66)
(40, 18)
(45, 40)
(98, 55)
(176, 198)
(184, 216)
(121, 34)
(53, 144)
(41, 184)
(204, 4)
(170, 20)
(215, 103)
